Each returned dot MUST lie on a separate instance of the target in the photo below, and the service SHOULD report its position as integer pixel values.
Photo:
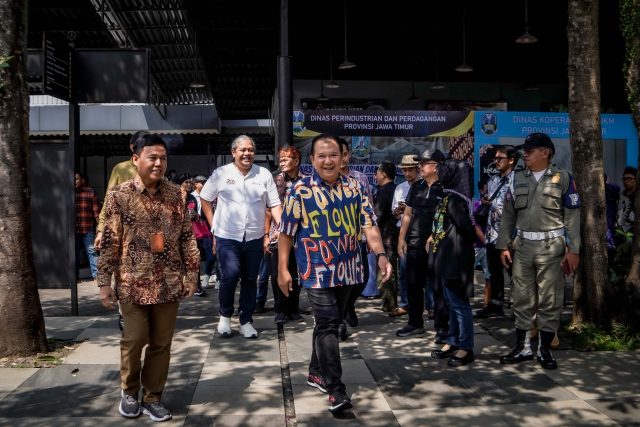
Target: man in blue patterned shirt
(325, 215)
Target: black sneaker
(129, 406)
(200, 293)
(315, 380)
(338, 402)
(408, 330)
(156, 411)
(280, 318)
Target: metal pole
(284, 131)
(74, 132)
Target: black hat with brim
(537, 140)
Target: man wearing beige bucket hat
(409, 167)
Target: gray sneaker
(156, 411)
(129, 406)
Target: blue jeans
(263, 279)
(209, 257)
(329, 307)
(460, 319)
(429, 300)
(86, 241)
(238, 261)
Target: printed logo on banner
(298, 121)
(489, 123)
(361, 147)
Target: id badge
(157, 242)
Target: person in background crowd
(87, 212)
(286, 307)
(505, 159)
(385, 177)
(479, 246)
(324, 215)
(122, 172)
(207, 243)
(544, 212)
(410, 169)
(351, 318)
(451, 243)
(149, 249)
(264, 272)
(244, 191)
(626, 214)
(417, 222)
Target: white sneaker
(205, 281)
(213, 279)
(224, 327)
(248, 331)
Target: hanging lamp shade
(526, 37)
(346, 64)
(464, 67)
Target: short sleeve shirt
(242, 201)
(325, 222)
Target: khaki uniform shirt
(537, 206)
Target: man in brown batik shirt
(149, 249)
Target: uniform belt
(540, 235)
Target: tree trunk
(591, 285)
(630, 26)
(22, 330)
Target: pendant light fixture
(464, 67)
(413, 96)
(346, 64)
(437, 85)
(322, 97)
(196, 83)
(526, 38)
(331, 84)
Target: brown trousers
(150, 325)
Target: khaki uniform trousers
(538, 282)
(152, 325)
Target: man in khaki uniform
(544, 216)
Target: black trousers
(416, 275)
(329, 305)
(358, 288)
(496, 269)
(282, 304)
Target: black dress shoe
(444, 354)
(342, 332)
(352, 318)
(455, 361)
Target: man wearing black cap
(543, 213)
(417, 222)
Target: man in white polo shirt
(244, 191)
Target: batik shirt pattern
(497, 204)
(326, 222)
(132, 216)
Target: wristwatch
(381, 254)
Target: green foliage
(588, 337)
(630, 29)
(4, 63)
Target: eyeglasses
(497, 159)
(626, 178)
